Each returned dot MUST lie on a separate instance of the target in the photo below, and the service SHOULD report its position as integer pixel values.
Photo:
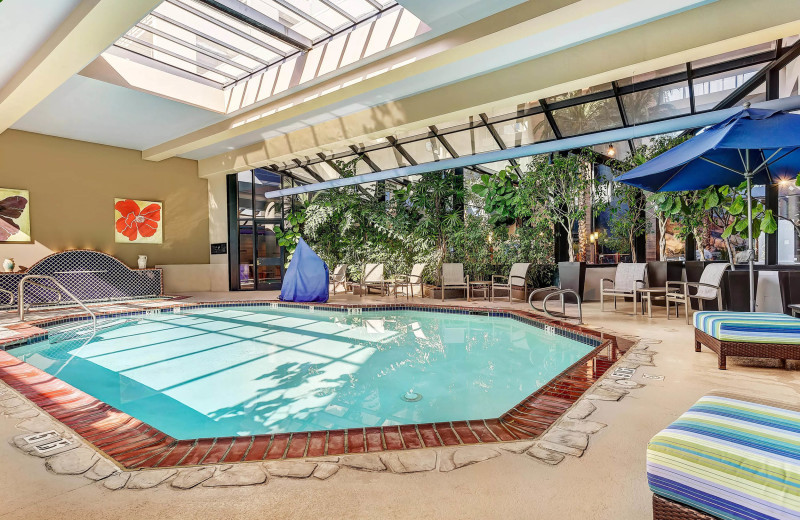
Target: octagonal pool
(233, 371)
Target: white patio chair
(627, 279)
(339, 277)
(373, 277)
(516, 278)
(708, 288)
(408, 281)
(453, 278)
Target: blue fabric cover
(762, 132)
(306, 279)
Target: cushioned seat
(750, 327)
(747, 334)
(731, 457)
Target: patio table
(645, 294)
(484, 286)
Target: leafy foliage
(558, 188)
(500, 194)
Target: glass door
(256, 259)
(269, 256)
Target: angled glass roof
(221, 42)
(709, 84)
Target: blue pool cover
(306, 279)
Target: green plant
(558, 188)
(764, 220)
(290, 236)
(634, 219)
(500, 196)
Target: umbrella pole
(750, 253)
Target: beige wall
(72, 187)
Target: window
(256, 258)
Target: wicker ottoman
(730, 457)
(747, 334)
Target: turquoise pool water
(214, 372)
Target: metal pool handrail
(60, 287)
(556, 292)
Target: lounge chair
(408, 281)
(747, 334)
(627, 279)
(373, 277)
(728, 456)
(516, 278)
(339, 277)
(453, 278)
(708, 288)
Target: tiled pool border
(134, 444)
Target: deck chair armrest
(603, 282)
(677, 287)
(499, 277)
(698, 285)
(516, 277)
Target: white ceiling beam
(90, 29)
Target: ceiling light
(611, 152)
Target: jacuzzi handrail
(63, 289)
(556, 292)
(42, 286)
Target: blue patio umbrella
(755, 145)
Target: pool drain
(411, 396)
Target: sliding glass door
(256, 259)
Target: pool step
(83, 330)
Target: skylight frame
(269, 34)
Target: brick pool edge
(134, 444)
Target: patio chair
(408, 281)
(453, 278)
(339, 277)
(627, 279)
(721, 459)
(373, 277)
(516, 278)
(708, 288)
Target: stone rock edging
(65, 453)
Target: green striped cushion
(731, 458)
(749, 327)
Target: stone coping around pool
(133, 444)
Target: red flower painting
(11, 208)
(136, 221)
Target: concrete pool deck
(608, 481)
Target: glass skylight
(226, 41)
(646, 97)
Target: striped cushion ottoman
(729, 457)
(748, 334)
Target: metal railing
(555, 291)
(21, 296)
(46, 288)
